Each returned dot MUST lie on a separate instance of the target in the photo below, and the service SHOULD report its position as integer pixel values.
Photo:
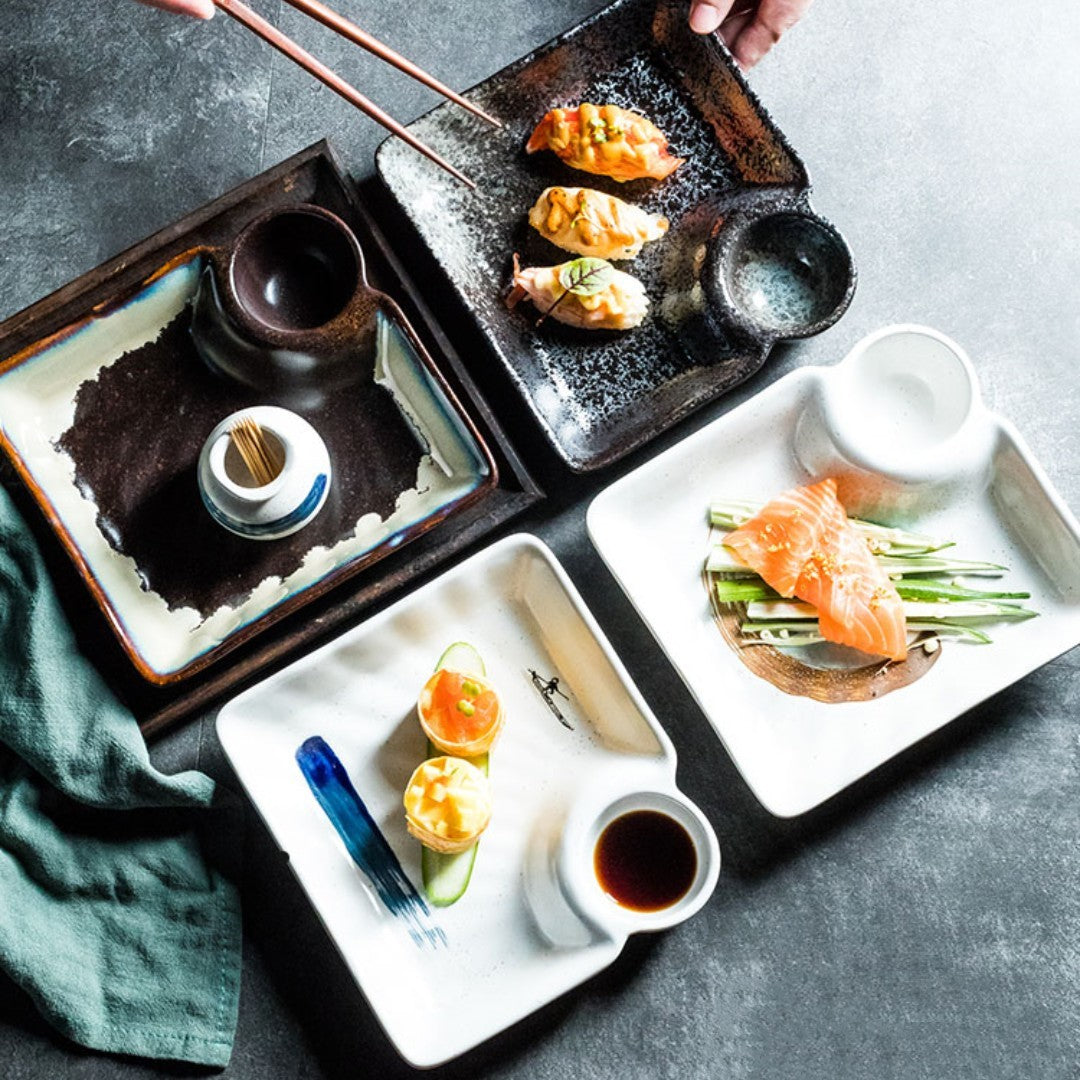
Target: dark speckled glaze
(600, 395)
(784, 274)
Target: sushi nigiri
(619, 304)
(606, 140)
(447, 804)
(461, 714)
(593, 223)
(802, 544)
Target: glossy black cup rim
(256, 328)
(723, 249)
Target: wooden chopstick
(283, 43)
(739, 11)
(340, 25)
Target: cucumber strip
(946, 590)
(779, 627)
(780, 610)
(784, 638)
(957, 630)
(965, 610)
(463, 657)
(446, 877)
(804, 633)
(732, 513)
(955, 612)
(905, 565)
(743, 590)
(723, 561)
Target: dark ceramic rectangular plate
(599, 395)
(107, 450)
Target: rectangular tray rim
(76, 302)
(291, 603)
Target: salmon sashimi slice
(802, 544)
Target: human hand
(750, 28)
(201, 9)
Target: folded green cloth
(116, 912)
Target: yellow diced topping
(447, 803)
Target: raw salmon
(802, 544)
(460, 714)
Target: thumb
(707, 15)
(199, 9)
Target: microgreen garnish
(587, 276)
(582, 277)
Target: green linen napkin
(116, 914)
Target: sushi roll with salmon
(460, 713)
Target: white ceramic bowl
(899, 421)
(567, 899)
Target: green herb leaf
(586, 277)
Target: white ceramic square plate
(794, 753)
(516, 605)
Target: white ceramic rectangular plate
(516, 605)
(651, 529)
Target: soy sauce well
(645, 860)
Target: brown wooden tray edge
(340, 604)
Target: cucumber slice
(462, 657)
(446, 877)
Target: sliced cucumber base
(446, 877)
(462, 657)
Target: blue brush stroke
(335, 793)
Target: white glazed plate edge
(794, 753)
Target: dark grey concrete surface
(923, 925)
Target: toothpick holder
(284, 505)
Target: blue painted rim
(279, 525)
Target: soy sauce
(645, 860)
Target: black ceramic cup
(286, 308)
(743, 275)
(777, 274)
